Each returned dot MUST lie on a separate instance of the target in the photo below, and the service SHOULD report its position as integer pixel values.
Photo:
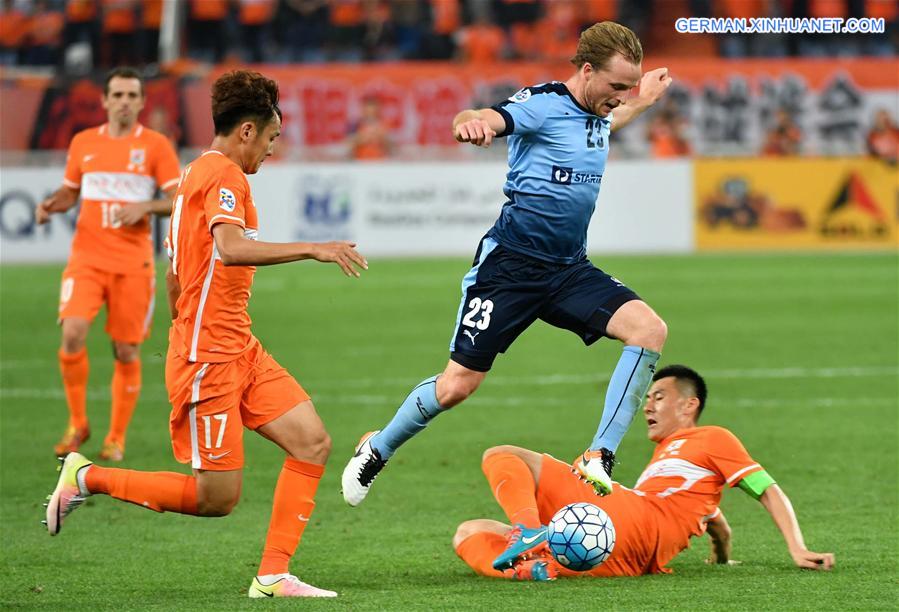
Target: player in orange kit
(218, 376)
(675, 498)
(116, 168)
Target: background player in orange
(219, 378)
(675, 498)
(117, 169)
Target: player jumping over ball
(532, 264)
(675, 498)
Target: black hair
(685, 377)
(123, 72)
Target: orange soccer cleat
(72, 440)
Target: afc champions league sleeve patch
(521, 95)
(227, 201)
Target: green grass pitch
(800, 352)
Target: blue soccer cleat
(522, 542)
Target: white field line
(157, 391)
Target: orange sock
(291, 509)
(159, 491)
(480, 549)
(125, 391)
(513, 487)
(74, 368)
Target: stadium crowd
(115, 32)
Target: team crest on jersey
(227, 201)
(521, 95)
(138, 156)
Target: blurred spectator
(439, 43)
(519, 18)
(207, 34)
(557, 33)
(304, 27)
(883, 138)
(370, 136)
(13, 29)
(255, 17)
(83, 27)
(150, 21)
(785, 138)
(159, 119)
(346, 29)
(119, 30)
(45, 35)
(482, 41)
(749, 45)
(596, 11)
(377, 28)
(408, 17)
(667, 131)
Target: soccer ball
(581, 536)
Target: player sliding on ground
(532, 264)
(675, 498)
(218, 376)
(116, 169)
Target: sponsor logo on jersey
(138, 156)
(521, 95)
(568, 176)
(227, 201)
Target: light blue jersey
(557, 156)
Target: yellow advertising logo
(795, 204)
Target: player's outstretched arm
(719, 536)
(134, 212)
(779, 507)
(237, 250)
(653, 86)
(479, 127)
(59, 201)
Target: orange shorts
(128, 299)
(213, 402)
(636, 527)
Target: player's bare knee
(319, 449)
(125, 352)
(651, 334)
(498, 450)
(456, 390)
(219, 506)
(463, 532)
(74, 336)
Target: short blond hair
(601, 41)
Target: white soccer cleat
(595, 466)
(284, 585)
(360, 472)
(67, 495)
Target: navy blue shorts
(504, 292)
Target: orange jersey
(110, 172)
(212, 324)
(684, 481)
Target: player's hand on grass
(653, 84)
(132, 212)
(476, 131)
(807, 559)
(342, 253)
(716, 561)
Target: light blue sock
(412, 416)
(628, 385)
